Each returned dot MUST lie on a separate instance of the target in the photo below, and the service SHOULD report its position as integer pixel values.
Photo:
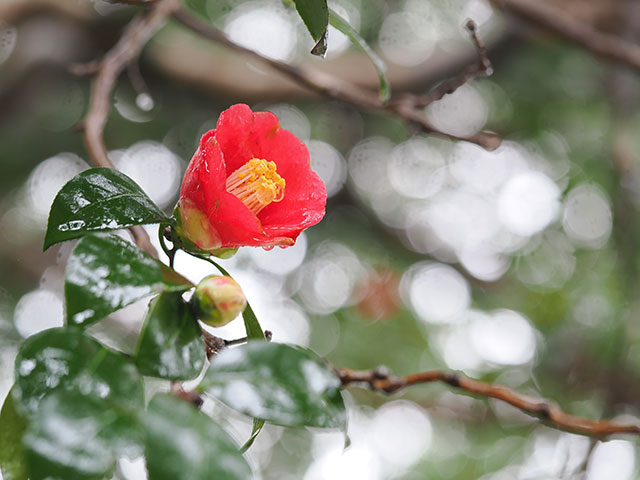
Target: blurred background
(517, 266)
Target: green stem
(171, 253)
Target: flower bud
(218, 300)
(196, 235)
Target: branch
(335, 88)
(609, 47)
(134, 2)
(109, 68)
(482, 66)
(125, 51)
(381, 380)
(214, 345)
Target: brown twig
(83, 69)
(122, 54)
(482, 66)
(381, 380)
(609, 47)
(215, 345)
(188, 396)
(333, 87)
(135, 77)
(134, 2)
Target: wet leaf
(170, 345)
(251, 324)
(182, 442)
(67, 359)
(12, 426)
(281, 384)
(106, 273)
(342, 25)
(78, 437)
(315, 15)
(99, 199)
(258, 425)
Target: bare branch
(122, 54)
(332, 87)
(134, 2)
(186, 395)
(609, 47)
(83, 69)
(482, 66)
(381, 380)
(215, 345)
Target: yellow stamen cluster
(256, 184)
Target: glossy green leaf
(315, 15)
(12, 426)
(106, 273)
(79, 437)
(342, 25)
(251, 324)
(182, 442)
(170, 345)
(99, 199)
(258, 425)
(281, 384)
(68, 359)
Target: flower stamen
(256, 184)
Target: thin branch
(215, 345)
(335, 88)
(122, 54)
(83, 69)
(186, 395)
(134, 2)
(381, 380)
(482, 66)
(609, 47)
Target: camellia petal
(249, 183)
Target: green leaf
(106, 273)
(251, 324)
(258, 424)
(68, 359)
(342, 25)
(99, 199)
(170, 345)
(12, 426)
(78, 437)
(281, 384)
(182, 442)
(315, 15)
(82, 401)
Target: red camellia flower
(249, 183)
